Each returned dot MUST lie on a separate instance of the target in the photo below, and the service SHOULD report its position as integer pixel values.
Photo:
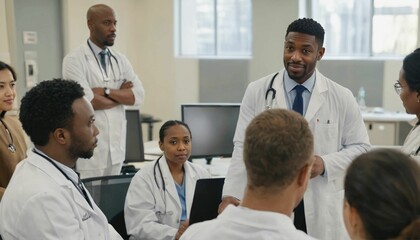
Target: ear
(304, 174)
(90, 25)
(161, 145)
(354, 222)
(321, 53)
(61, 136)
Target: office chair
(109, 194)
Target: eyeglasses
(398, 88)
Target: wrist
(107, 91)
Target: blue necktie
(103, 53)
(298, 102)
(299, 220)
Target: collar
(68, 171)
(289, 83)
(95, 48)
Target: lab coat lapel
(279, 86)
(190, 182)
(91, 59)
(59, 178)
(169, 182)
(317, 96)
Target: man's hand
(226, 201)
(184, 225)
(126, 85)
(318, 167)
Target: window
(364, 28)
(214, 28)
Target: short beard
(108, 44)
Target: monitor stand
(208, 159)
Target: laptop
(206, 200)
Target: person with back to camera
(408, 88)
(333, 116)
(45, 198)
(110, 83)
(382, 196)
(160, 195)
(278, 150)
(12, 139)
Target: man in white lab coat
(110, 83)
(334, 118)
(45, 198)
(278, 155)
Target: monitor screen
(212, 127)
(134, 149)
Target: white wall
(269, 25)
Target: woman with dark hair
(160, 195)
(382, 196)
(408, 88)
(12, 140)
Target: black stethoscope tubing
(160, 172)
(271, 89)
(80, 189)
(110, 62)
(273, 92)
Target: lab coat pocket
(164, 217)
(326, 138)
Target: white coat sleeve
(74, 69)
(354, 138)
(235, 181)
(139, 211)
(130, 75)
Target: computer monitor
(134, 150)
(212, 127)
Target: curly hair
(48, 106)
(384, 187)
(308, 26)
(278, 143)
(411, 69)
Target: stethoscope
(78, 186)
(163, 187)
(110, 56)
(271, 90)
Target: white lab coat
(412, 143)
(244, 223)
(40, 203)
(339, 136)
(82, 66)
(148, 213)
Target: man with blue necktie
(333, 116)
(110, 84)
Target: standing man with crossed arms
(110, 84)
(333, 116)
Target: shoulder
(77, 51)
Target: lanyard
(78, 186)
